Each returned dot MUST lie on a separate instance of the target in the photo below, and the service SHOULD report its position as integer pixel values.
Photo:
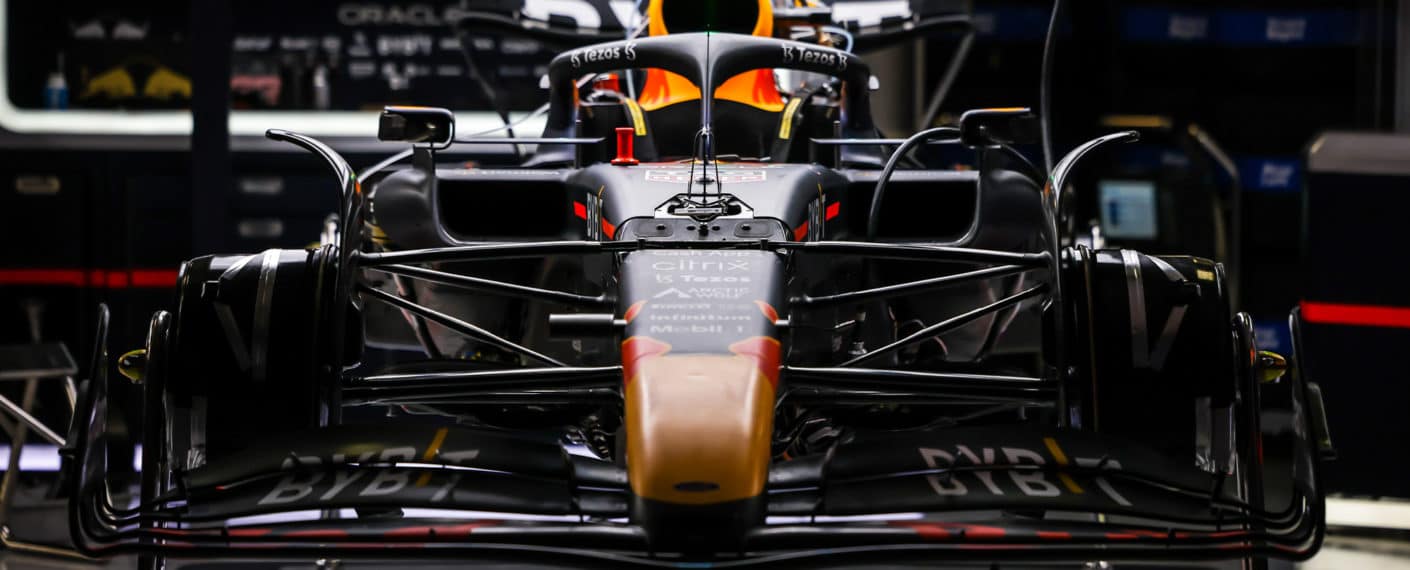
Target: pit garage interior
(1274, 139)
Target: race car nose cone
(700, 366)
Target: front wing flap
(986, 493)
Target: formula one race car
(712, 322)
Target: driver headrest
(753, 17)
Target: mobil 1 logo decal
(705, 318)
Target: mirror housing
(1008, 125)
(433, 126)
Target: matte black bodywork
(967, 363)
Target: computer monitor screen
(1128, 209)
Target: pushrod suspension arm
(910, 287)
(915, 252)
(865, 376)
(815, 395)
(510, 376)
(919, 252)
(604, 395)
(458, 325)
(949, 324)
(492, 286)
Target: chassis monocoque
(714, 359)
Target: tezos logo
(606, 53)
(806, 55)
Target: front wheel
(1161, 360)
(248, 355)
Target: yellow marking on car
(133, 365)
(785, 125)
(1061, 459)
(638, 121)
(430, 454)
(1136, 121)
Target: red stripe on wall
(1356, 315)
(98, 278)
(153, 277)
(71, 277)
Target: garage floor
(1341, 553)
